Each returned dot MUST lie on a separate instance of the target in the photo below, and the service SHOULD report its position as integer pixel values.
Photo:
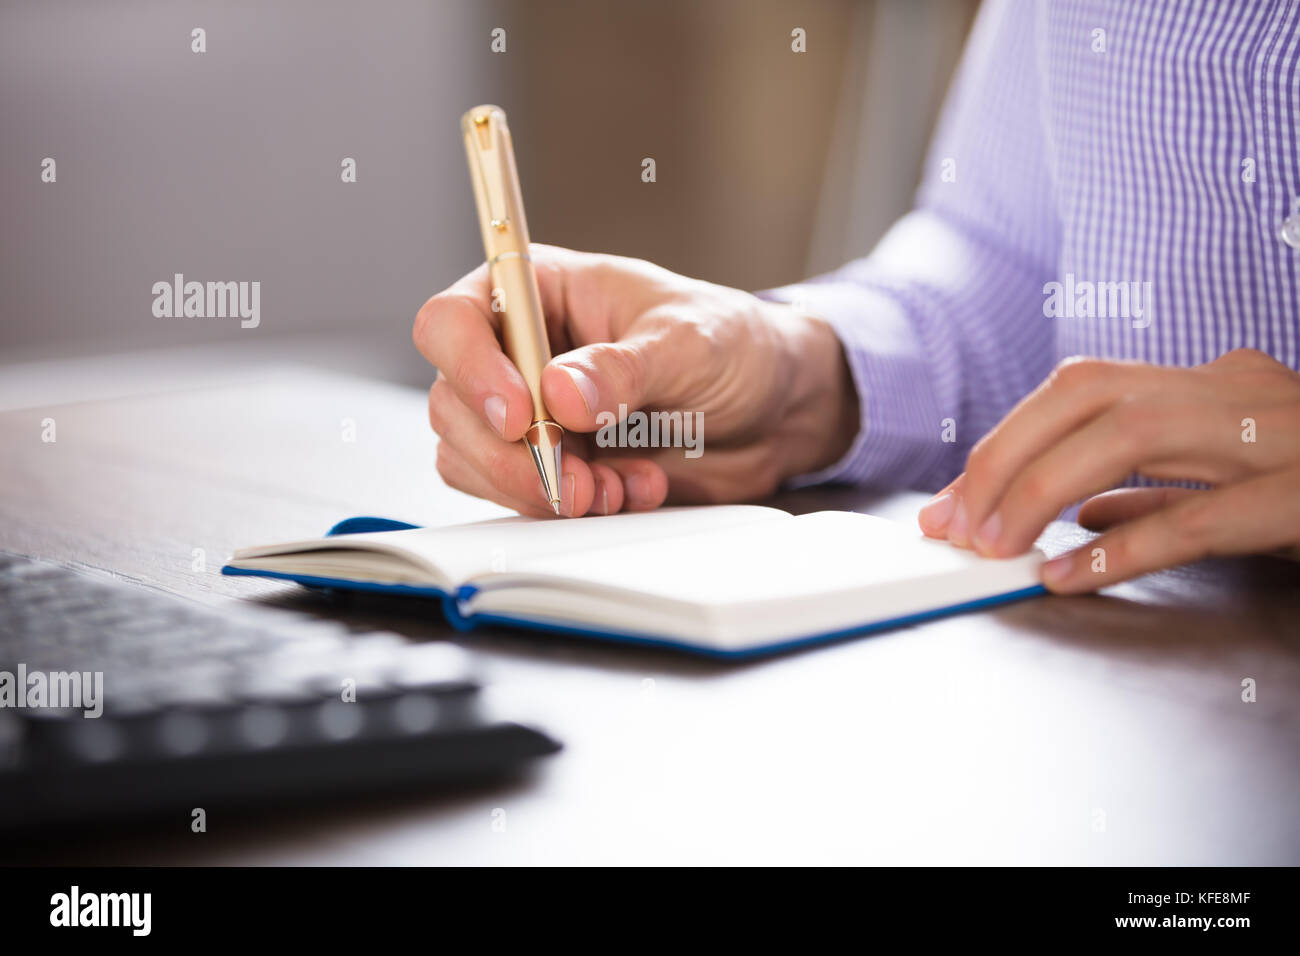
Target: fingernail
(957, 533)
(602, 496)
(637, 488)
(938, 512)
(1058, 569)
(987, 536)
(494, 408)
(568, 488)
(585, 386)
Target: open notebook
(735, 580)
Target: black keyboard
(206, 708)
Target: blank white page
(460, 552)
(815, 554)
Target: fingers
(1093, 423)
(642, 483)
(608, 497)
(507, 472)
(644, 338)
(473, 460)
(938, 512)
(480, 405)
(1115, 507)
(458, 473)
(653, 365)
(741, 473)
(1089, 426)
(1128, 437)
(1260, 514)
(596, 294)
(1077, 391)
(456, 332)
(597, 301)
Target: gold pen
(514, 283)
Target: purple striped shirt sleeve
(1143, 154)
(942, 324)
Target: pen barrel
(495, 179)
(523, 329)
(514, 294)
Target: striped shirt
(1107, 179)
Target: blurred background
(226, 165)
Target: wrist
(820, 417)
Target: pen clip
(487, 136)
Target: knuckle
(461, 373)
(446, 310)
(1138, 423)
(602, 269)
(420, 326)
(1116, 551)
(1079, 371)
(1113, 548)
(1193, 520)
(500, 469)
(550, 274)
(422, 313)
(625, 366)
(438, 407)
(422, 331)
(705, 343)
(1247, 356)
(981, 463)
(443, 464)
(1034, 488)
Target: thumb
(642, 369)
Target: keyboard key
(199, 702)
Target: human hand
(772, 386)
(1233, 423)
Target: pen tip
(543, 440)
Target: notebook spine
(455, 607)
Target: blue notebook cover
(454, 607)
